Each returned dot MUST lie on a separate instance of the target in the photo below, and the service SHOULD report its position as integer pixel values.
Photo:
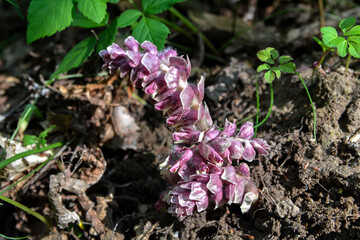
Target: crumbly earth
(308, 189)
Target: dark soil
(309, 189)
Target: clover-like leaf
(263, 67)
(336, 42)
(277, 72)
(353, 31)
(269, 76)
(265, 56)
(329, 34)
(347, 23)
(342, 47)
(274, 53)
(354, 49)
(288, 67)
(285, 58)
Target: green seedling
(346, 44)
(274, 65)
(38, 140)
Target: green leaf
(353, 31)
(342, 48)
(284, 59)
(151, 30)
(83, 22)
(263, 67)
(25, 117)
(128, 17)
(347, 23)
(29, 139)
(329, 33)
(113, 1)
(274, 54)
(77, 55)
(354, 39)
(269, 76)
(277, 72)
(354, 49)
(46, 17)
(336, 42)
(288, 67)
(322, 45)
(158, 6)
(107, 36)
(94, 10)
(265, 56)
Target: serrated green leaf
(151, 30)
(263, 67)
(277, 72)
(288, 67)
(329, 34)
(269, 76)
(347, 23)
(29, 139)
(284, 59)
(158, 6)
(128, 17)
(94, 10)
(274, 54)
(77, 55)
(353, 31)
(83, 22)
(342, 48)
(107, 36)
(46, 17)
(354, 49)
(336, 42)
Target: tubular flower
(199, 167)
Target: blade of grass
(270, 108)
(312, 103)
(28, 153)
(26, 209)
(13, 238)
(257, 103)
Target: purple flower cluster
(199, 166)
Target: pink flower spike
(187, 96)
(261, 146)
(172, 78)
(244, 170)
(150, 62)
(246, 131)
(229, 129)
(210, 154)
(249, 152)
(149, 47)
(131, 43)
(236, 149)
(215, 186)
